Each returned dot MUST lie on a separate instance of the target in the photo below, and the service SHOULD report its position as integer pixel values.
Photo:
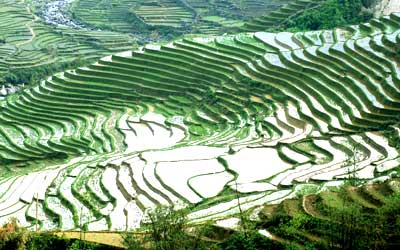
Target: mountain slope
(193, 121)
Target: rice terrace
(252, 116)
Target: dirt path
(29, 26)
(107, 238)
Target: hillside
(30, 48)
(344, 217)
(279, 16)
(317, 211)
(41, 37)
(193, 121)
(181, 16)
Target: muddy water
(392, 6)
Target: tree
(165, 229)
(13, 236)
(252, 241)
(329, 15)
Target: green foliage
(33, 75)
(291, 246)
(306, 189)
(132, 242)
(393, 137)
(256, 86)
(47, 241)
(165, 230)
(300, 221)
(166, 226)
(249, 241)
(390, 212)
(14, 237)
(348, 226)
(81, 245)
(329, 15)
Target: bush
(165, 230)
(46, 241)
(12, 236)
(33, 75)
(249, 241)
(329, 15)
(81, 245)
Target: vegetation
(166, 230)
(336, 220)
(124, 17)
(287, 98)
(330, 14)
(348, 225)
(13, 237)
(344, 225)
(218, 124)
(250, 240)
(32, 49)
(176, 17)
(169, 230)
(34, 75)
(313, 15)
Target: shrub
(249, 241)
(12, 236)
(165, 230)
(329, 15)
(46, 241)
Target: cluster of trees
(330, 14)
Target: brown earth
(107, 238)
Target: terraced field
(109, 15)
(187, 16)
(254, 8)
(49, 35)
(276, 17)
(166, 12)
(318, 209)
(29, 43)
(196, 121)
